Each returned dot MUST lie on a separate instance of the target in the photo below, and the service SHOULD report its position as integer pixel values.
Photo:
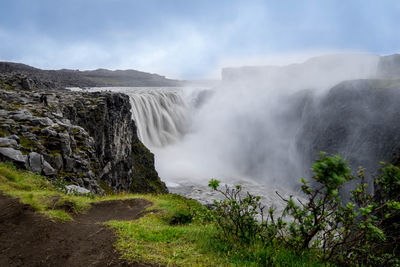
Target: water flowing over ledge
(161, 115)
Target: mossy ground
(158, 237)
(38, 192)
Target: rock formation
(344, 104)
(356, 119)
(86, 139)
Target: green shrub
(355, 232)
(236, 215)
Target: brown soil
(30, 239)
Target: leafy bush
(360, 231)
(236, 215)
(387, 196)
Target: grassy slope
(152, 238)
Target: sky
(191, 39)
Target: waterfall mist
(248, 127)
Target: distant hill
(89, 78)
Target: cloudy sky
(191, 39)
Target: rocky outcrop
(21, 81)
(357, 119)
(86, 139)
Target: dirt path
(29, 239)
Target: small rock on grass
(76, 189)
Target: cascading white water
(161, 115)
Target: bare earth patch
(30, 239)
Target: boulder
(14, 137)
(6, 127)
(48, 170)
(57, 162)
(41, 121)
(22, 115)
(26, 83)
(13, 155)
(6, 142)
(3, 113)
(76, 189)
(35, 162)
(48, 131)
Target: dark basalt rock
(357, 119)
(87, 139)
(110, 124)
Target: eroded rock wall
(357, 119)
(87, 139)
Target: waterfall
(161, 115)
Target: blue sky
(191, 38)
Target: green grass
(152, 238)
(38, 192)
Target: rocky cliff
(357, 119)
(345, 104)
(86, 139)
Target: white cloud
(177, 52)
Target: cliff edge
(85, 139)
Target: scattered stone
(22, 115)
(6, 127)
(47, 169)
(11, 154)
(25, 130)
(48, 131)
(9, 121)
(14, 137)
(76, 189)
(6, 142)
(26, 83)
(57, 162)
(35, 162)
(41, 121)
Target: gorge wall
(87, 139)
(340, 104)
(357, 119)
